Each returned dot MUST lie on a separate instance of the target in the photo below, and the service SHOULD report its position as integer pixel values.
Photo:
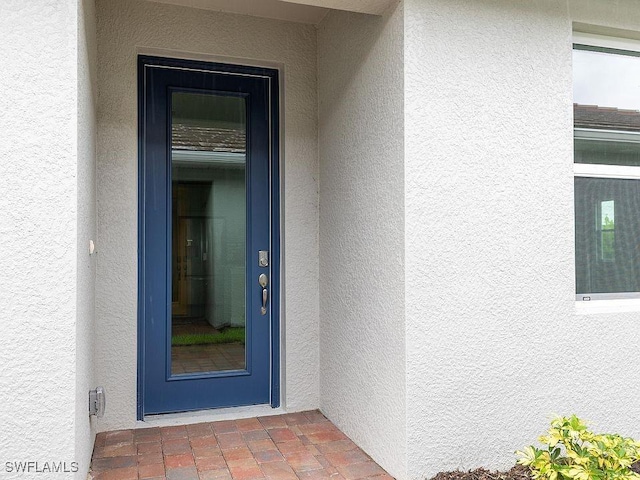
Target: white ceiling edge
(374, 7)
(274, 9)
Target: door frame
(272, 74)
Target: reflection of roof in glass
(207, 139)
(592, 116)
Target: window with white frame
(607, 169)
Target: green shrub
(572, 452)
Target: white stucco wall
(41, 219)
(362, 325)
(86, 221)
(494, 344)
(124, 29)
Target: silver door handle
(263, 280)
(265, 294)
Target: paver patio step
(303, 446)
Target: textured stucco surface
(124, 29)
(362, 327)
(38, 232)
(449, 171)
(494, 346)
(377, 7)
(86, 221)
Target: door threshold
(211, 415)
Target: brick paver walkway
(302, 446)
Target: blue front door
(208, 311)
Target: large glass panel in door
(208, 232)
(208, 326)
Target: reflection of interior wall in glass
(226, 214)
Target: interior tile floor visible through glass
(207, 358)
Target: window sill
(618, 305)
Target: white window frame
(607, 301)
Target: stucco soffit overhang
(374, 7)
(302, 11)
(274, 9)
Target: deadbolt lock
(263, 258)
